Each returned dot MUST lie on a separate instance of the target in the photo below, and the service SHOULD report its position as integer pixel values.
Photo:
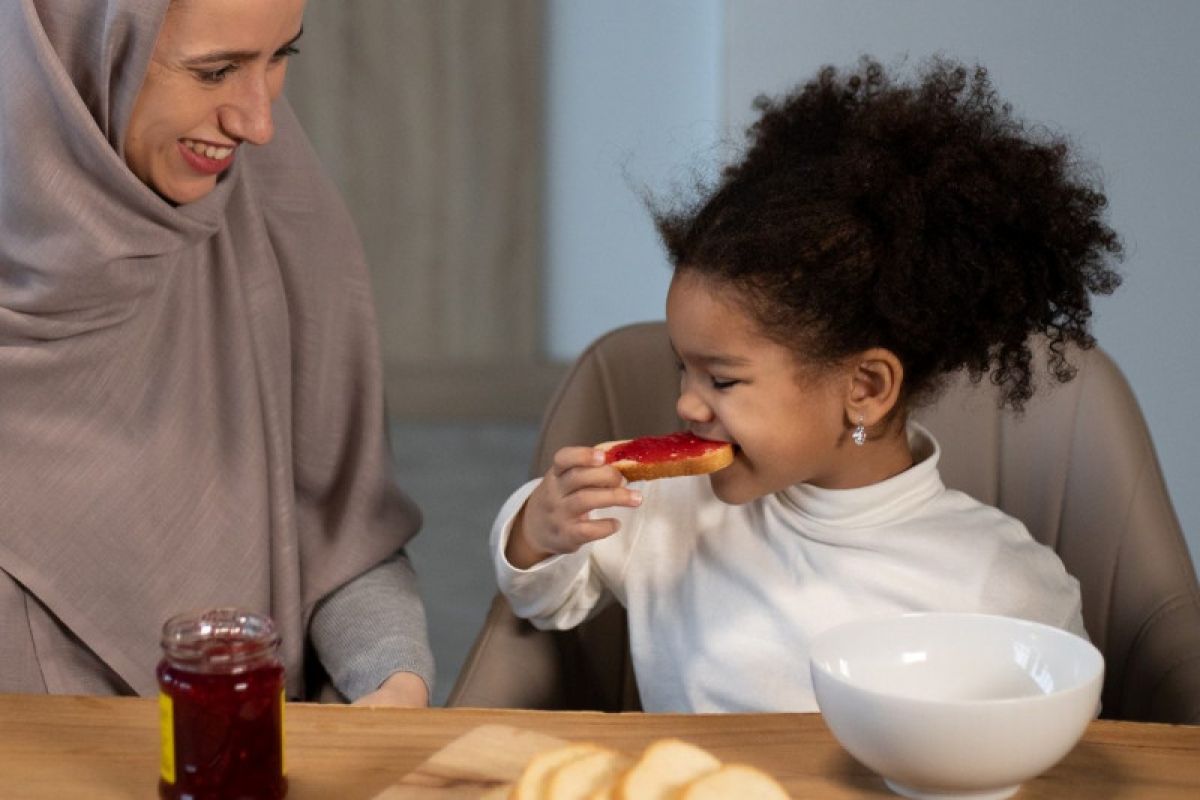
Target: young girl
(876, 236)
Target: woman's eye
(720, 384)
(215, 75)
(286, 52)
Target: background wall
(427, 114)
(642, 93)
(632, 102)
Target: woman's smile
(205, 157)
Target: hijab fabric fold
(191, 407)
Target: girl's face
(787, 423)
(217, 67)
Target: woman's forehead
(195, 28)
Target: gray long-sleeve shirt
(372, 627)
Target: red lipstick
(203, 164)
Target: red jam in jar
(221, 707)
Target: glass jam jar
(221, 707)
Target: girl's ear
(875, 382)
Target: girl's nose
(690, 407)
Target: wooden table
(66, 747)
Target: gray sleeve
(372, 627)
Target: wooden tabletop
(65, 747)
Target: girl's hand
(555, 519)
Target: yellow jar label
(282, 735)
(166, 727)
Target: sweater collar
(878, 504)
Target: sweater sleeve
(371, 627)
(555, 594)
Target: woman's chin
(181, 192)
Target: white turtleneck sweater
(723, 601)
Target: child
(876, 236)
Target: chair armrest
(511, 665)
(1162, 676)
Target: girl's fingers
(578, 532)
(568, 458)
(589, 530)
(605, 478)
(584, 501)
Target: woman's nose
(248, 116)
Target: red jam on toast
(672, 455)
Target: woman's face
(217, 67)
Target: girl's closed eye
(721, 385)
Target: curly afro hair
(917, 216)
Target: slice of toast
(734, 780)
(582, 778)
(533, 784)
(650, 457)
(665, 767)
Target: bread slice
(582, 778)
(533, 784)
(734, 780)
(649, 457)
(665, 767)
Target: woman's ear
(875, 381)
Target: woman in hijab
(191, 409)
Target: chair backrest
(1078, 468)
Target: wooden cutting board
(482, 763)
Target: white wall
(1119, 78)
(633, 96)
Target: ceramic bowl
(948, 705)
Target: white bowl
(956, 705)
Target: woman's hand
(400, 689)
(556, 517)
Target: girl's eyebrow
(722, 361)
(236, 55)
(713, 360)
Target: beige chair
(1078, 468)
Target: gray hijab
(191, 407)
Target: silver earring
(859, 435)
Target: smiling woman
(217, 67)
(193, 407)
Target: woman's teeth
(208, 151)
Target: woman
(191, 409)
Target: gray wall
(427, 114)
(634, 85)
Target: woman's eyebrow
(236, 55)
